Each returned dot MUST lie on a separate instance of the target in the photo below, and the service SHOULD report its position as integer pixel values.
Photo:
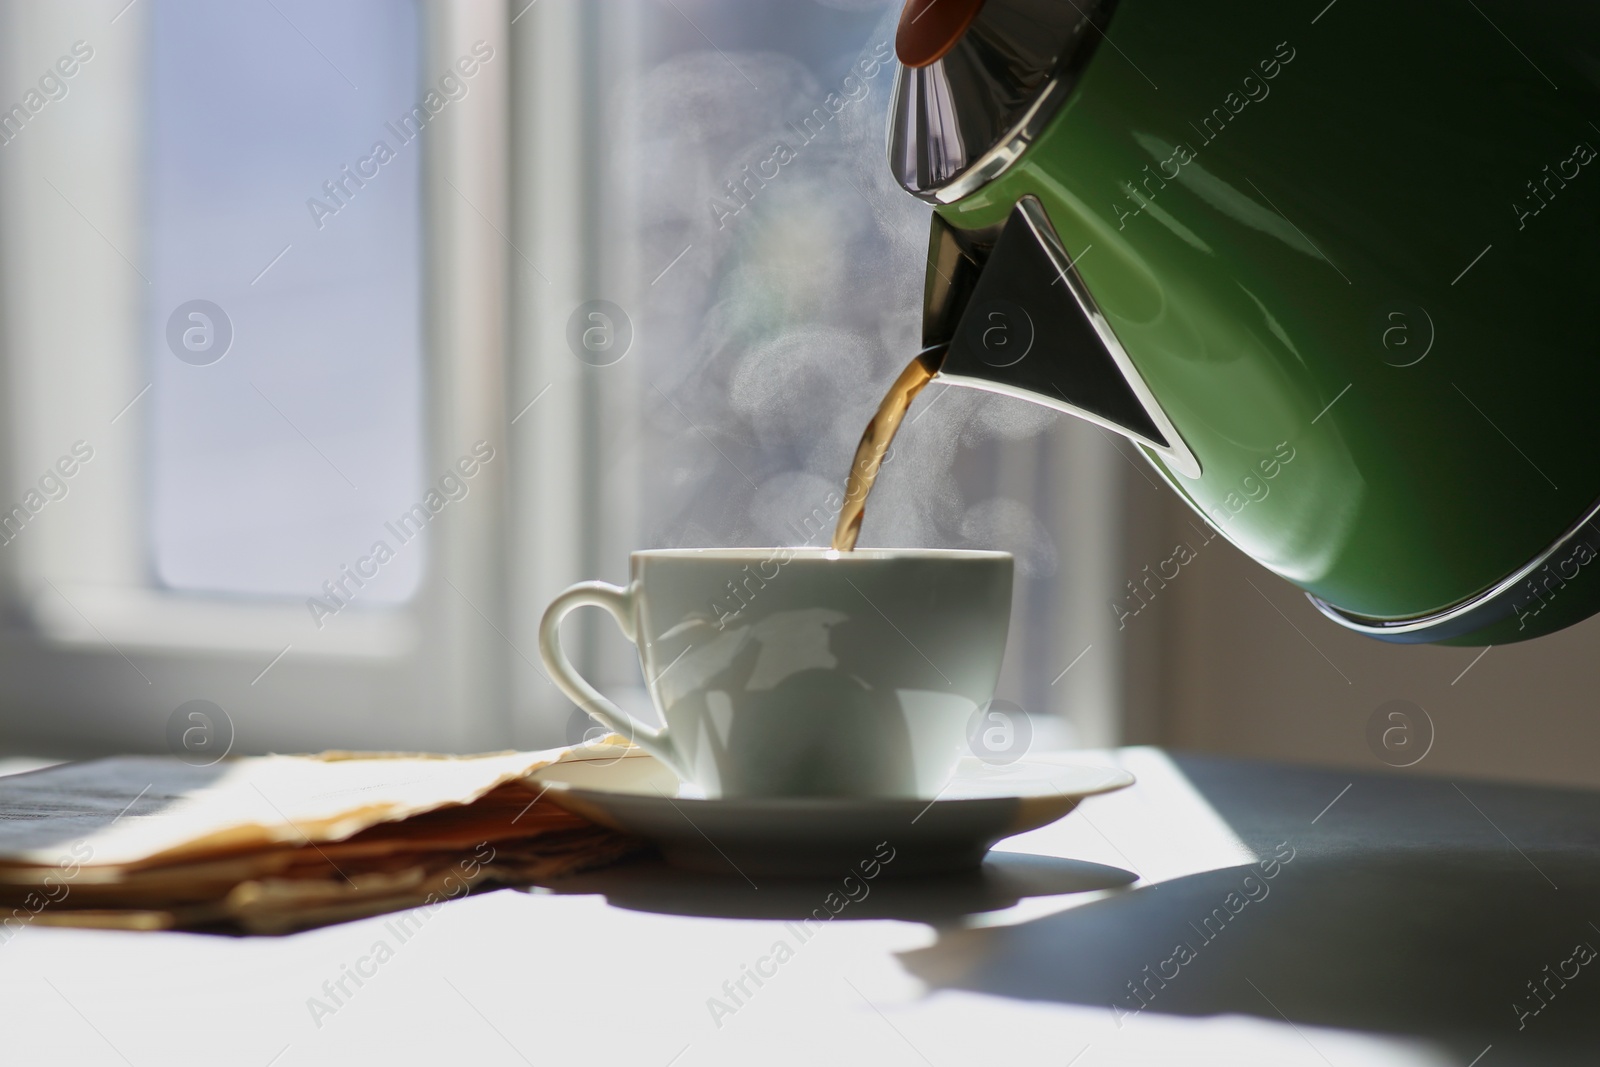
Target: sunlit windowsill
(151, 620)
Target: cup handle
(619, 602)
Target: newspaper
(272, 844)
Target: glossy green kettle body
(1343, 262)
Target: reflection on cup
(852, 674)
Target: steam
(778, 335)
(792, 397)
(791, 508)
(1010, 525)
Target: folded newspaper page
(272, 844)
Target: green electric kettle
(1329, 264)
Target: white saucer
(826, 836)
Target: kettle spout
(1014, 316)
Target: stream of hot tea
(874, 446)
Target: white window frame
(563, 196)
(94, 655)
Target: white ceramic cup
(799, 671)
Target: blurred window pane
(278, 460)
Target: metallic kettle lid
(978, 80)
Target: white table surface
(1402, 932)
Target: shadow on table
(1004, 879)
(1439, 947)
(1407, 913)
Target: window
(209, 502)
(207, 180)
(284, 184)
